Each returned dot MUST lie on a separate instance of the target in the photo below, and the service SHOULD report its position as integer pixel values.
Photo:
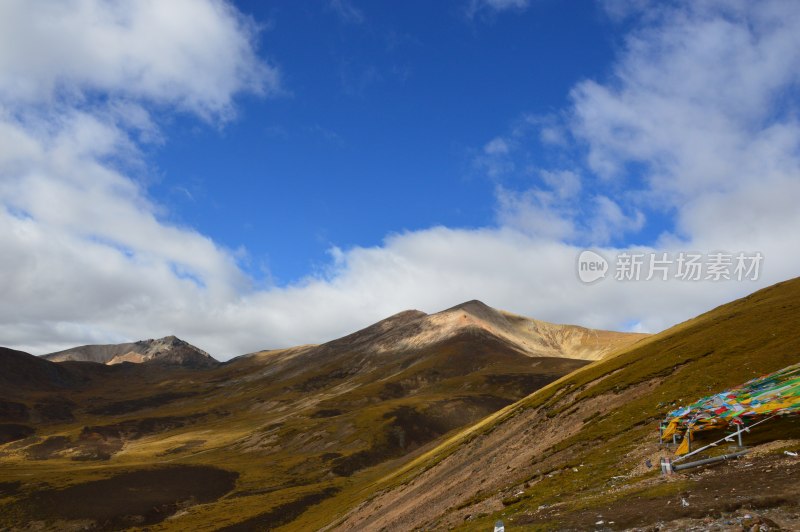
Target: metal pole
(726, 438)
(687, 465)
(739, 433)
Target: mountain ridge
(295, 425)
(532, 337)
(577, 450)
(169, 350)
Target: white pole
(687, 455)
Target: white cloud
(536, 212)
(705, 101)
(347, 11)
(194, 55)
(496, 146)
(609, 221)
(554, 212)
(565, 183)
(496, 158)
(85, 249)
(702, 105)
(476, 6)
(701, 99)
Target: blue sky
(378, 126)
(250, 175)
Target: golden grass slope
(576, 448)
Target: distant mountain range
(303, 421)
(406, 331)
(167, 350)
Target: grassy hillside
(576, 449)
(255, 443)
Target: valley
(281, 430)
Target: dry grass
(719, 349)
(301, 428)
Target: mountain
(168, 350)
(23, 370)
(531, 337)
(274, 432)
(413, 330)
(576, 452)
(22, 374)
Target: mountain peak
(405, 316)
(415, 330)
(475, 313)
(169, 350)
(471, 305)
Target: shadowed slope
(576, 448)
(298, 426)
(23, 370)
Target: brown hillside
(573, 452)
(286, 429)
